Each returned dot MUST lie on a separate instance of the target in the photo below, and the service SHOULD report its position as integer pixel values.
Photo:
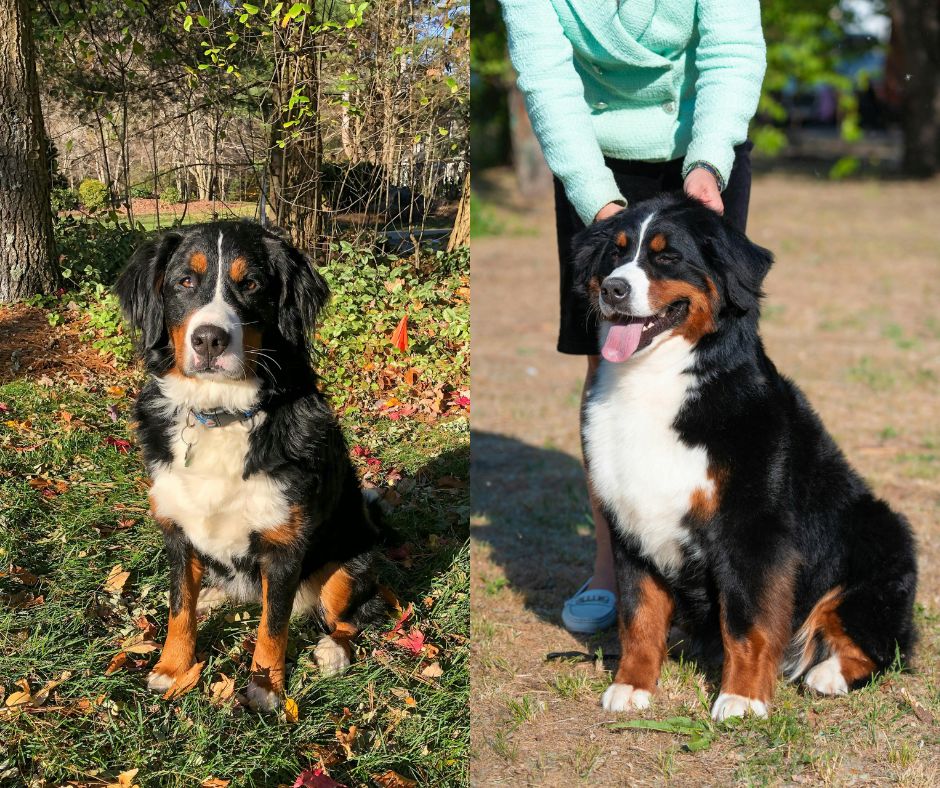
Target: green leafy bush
(141, 191)
(64, 199)
(93, 194)
(170, 194)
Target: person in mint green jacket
(630, 98)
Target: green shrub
(93, 194)
(141, 191)
(64, 199)
(91, 251)
(170, 194)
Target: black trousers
(638, 181)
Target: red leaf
(404, 617)
(413, 641)
(399, 553)
(120, 444)
(315, 778)
(400, 335)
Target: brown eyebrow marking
(621, 240)
(658, 242)
(198, 263)
(238, 269)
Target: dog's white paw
(262, 698)
(730, 705)
(623, 697)
(210, 598)
(159, 682)
(330, 656)
(826, 677)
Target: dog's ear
(590, 246)
(139, 287)
(303, 291)
(742, 263)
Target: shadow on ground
(530, 512)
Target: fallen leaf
(413, 641)
(117, 577)
(123, 446)
(126, 780)
(117, 662)
(214, 782)
(184, 683)
(433, 671)
(451, 483)
(116, 391)
(21, 698)
(315, 778)
(222, 690)
(346, 739)
(393, 780)
(291, 712)
(26, 577)
(400, 334)
(40, 697)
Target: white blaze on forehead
(639, 304)
(218, 312)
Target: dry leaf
(117, 662)
(393, 780)
(139, 644)
(221, 690)
(291, 712)
(40, 697)
(184, 683)
(346, 740)
(433, 671)
(20, 698)
(214, 782)
(126, 780)
(117, 577)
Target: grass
(73, 506)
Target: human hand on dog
(607, 211)
(703, 186)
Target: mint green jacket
(648, 80)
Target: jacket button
(669, 106)
(600, 105)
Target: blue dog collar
(219, 417)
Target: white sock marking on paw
(826, 677)
(330, 656)
(730, 705)
(210, 598)
(159, 682)
(623, 697)
(261, 698)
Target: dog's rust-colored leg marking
(286, 534)
(643, 638)
(179, 650)
(704, 503)
(267, 665)
(752, 661)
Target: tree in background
(916, 77)
(27, 263)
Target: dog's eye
(249, 285)
(667, 258)
(186, 281)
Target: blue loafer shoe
(591, 611)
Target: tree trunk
(460, 235)
(915, 44)
(532, 173)
(27, 260)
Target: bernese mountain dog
(251, 481)
(733, 514)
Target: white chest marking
(216, 508)
(639, 468)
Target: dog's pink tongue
(622, 341)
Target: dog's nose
(614, 290)
(210, 341)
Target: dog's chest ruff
(207, 497)
(640, 469)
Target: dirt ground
(851, 314)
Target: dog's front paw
(730, 705)
(160, 682)
(331, 657)
(826, 678)
(623, 697)
(262, 696)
